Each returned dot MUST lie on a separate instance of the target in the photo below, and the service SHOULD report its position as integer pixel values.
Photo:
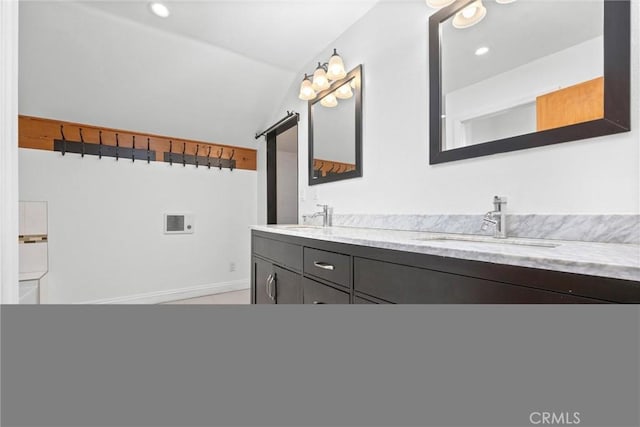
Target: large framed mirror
(335, 131)
(508, 75)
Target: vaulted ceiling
(213, 70)
(283, 33)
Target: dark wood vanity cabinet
(275, 276)
(295, 270)
(274, 284)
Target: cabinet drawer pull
(324, 265)
(268, 286)
(318, 302)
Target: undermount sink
(302, 227)
(489, 240)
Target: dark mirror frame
(357, 172)
(617, 47)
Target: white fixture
(323, 76)
(178, 223)
(329, 101)
(335, 69)
(320, 79)
(482, 50)
(437, 4)
(470, 15)
(33, 250)
(159, 9)
(344, 91)
(307, 92)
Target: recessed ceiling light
(482, 50)
(159, 9)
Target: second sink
(493, 241)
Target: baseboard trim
(176, 294)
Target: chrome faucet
(497, 218)
(326, 215)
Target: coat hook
(81, 141)
(64, 140)
(100, 144)
(184, 150)
(117, 148)
(133, 150)
(197, 149)
(209, 158)
(170, 153)
(231, 162)
(220, 158)
(148, 152)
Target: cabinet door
(262, 271)
(288, 286)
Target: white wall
(81, 64)
(519, 86)
(599, 175)
(9, 152)
(106, 224)
(106, 242)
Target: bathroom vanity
(343, 265)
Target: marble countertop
(621, 261)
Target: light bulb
(468, 12)
(470, 15)
(344, 92)
(329, 101)
(306, 90)
(335, 69)
(437, 4)
(320, 81)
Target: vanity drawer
(286, 254)
(329, 266)
(410, 285)
(317, 293)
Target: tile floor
(236, 297)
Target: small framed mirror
(335, 131)
(508, 75)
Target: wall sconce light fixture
(322, 78)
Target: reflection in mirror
(334, 132)
(529, 79)
(528, 66)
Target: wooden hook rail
(99, 149)
(67, 137)
(328, 167)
